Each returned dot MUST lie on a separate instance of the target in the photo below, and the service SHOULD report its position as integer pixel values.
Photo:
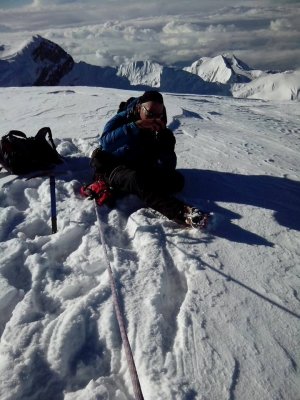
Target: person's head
(151, 105)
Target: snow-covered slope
(223, 69)
(281, 86)
(83, 74)
(37, 62)
(209, 315)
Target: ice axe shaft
(53, 204)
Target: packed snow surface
(209, 315)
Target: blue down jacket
(135, 147)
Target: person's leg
(102, 163)
(161, 180)
(151, 187)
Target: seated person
(137, 156)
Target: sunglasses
(150, 114)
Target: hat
(151, 95)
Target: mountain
(142, 73)
(83, 74)
(280, 86)
(168, 79)
(39, 62)
(223, 69)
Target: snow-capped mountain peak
(226, 69)
(142, 73)
(41, 62)
(36, 62)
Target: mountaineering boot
(195, 218)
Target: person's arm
(118, 132)
(167, 156)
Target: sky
(264, 34)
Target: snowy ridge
(223, 69)
(41, 62)
(84, 74)
(146, 74)
(142, 73)
(209, 315)
(284, 86)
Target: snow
(280, 86)
(142, 73)
(210, 315)
(223, 69)
(41, 62)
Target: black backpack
(124, 104)
(20, 154)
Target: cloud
(45, 3)
(219, 28)
(5, 28)
(180, 31)
(280, 24)
(179, 28)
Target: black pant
(154, 186)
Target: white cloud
(107, 58)
(180, 31)
(219, 28)
(178, 35)
(179, 28)
(280, 24)
(42, 3)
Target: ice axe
(53, 204)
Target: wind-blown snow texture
(209, 315)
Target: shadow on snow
(205, 188)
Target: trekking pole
(53, 204)
(128, 352)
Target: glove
(98, 190)
(153, 124)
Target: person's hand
(152, 124)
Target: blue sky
(265, 34)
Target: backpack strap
(125, 104)
(41, 135)
(16, 133)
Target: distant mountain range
(40, 62)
